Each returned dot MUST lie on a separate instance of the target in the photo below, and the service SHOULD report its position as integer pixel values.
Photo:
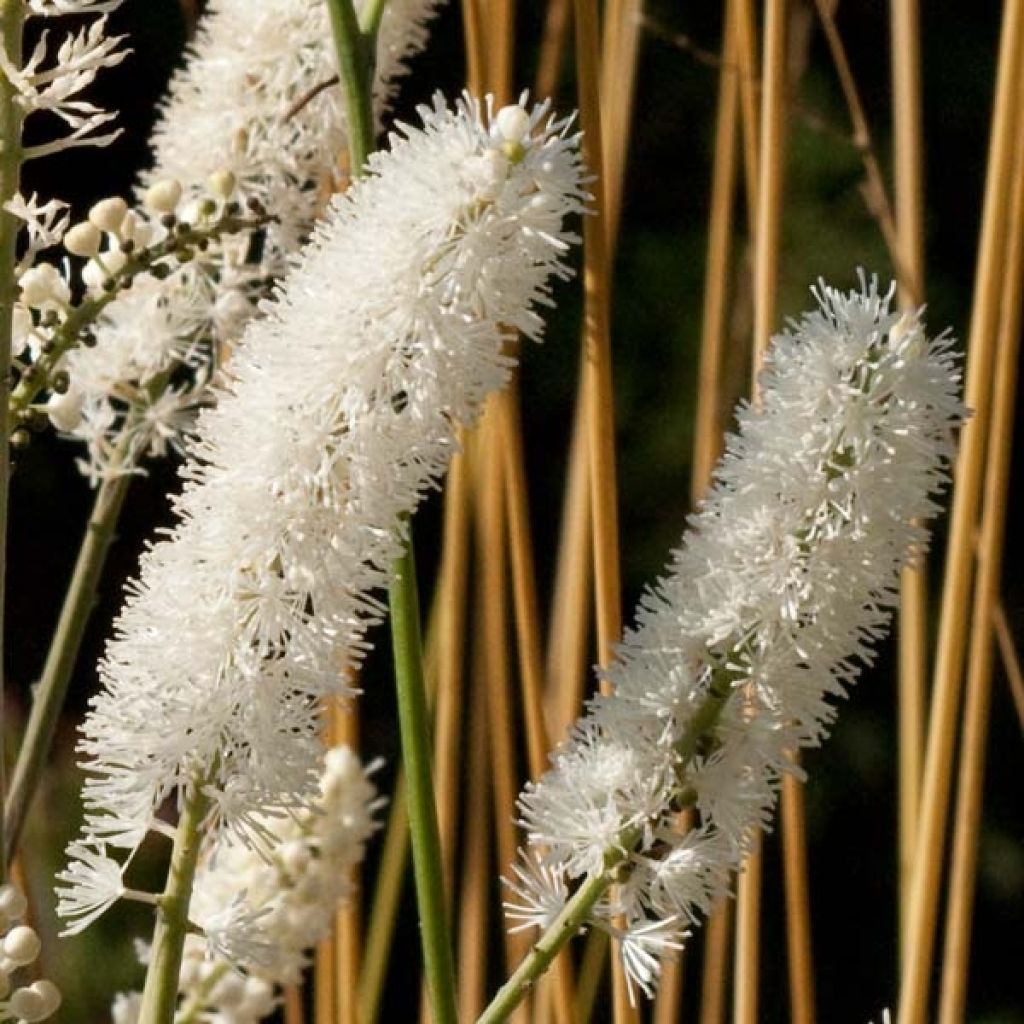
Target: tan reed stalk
(595, 953)
(746, 62)
(348, 920)
(942, 726)
(707, 444)
(474, 904)
(908, 173)
(452, 585)
(766, 248)
(552, 48)
(716, 965)
(293, 1011)
(1011, 663)
(956, 957)
(325, 982)
(475, 47)
(597, 381)
(669, 1001)
(798, 911)
(748, 924)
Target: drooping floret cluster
(260, 918)
(784, 581)
(340, 411)
(257, 103)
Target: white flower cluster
(785, 579)
(54, 82)
(340, 411)
(257, 104)
(19, 947)
(272, 911)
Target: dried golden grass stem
(707, 444)
(748, 925)
(293, 1011)
(476, 50)
(669, 1000)
(552, 48)
(942, 725)
(325, 982)
(798, 909)
(908, 174)
(717, 933)
(1011, 663)
(956, 958)
(749, 85)
(348, 920)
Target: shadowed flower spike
(784, 581)
(340, 411)
(255, 117)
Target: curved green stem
(414, 726)
(160, 994)
(12, 20)
(353, 50)
(61, 658)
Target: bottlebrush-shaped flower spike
(786, 578)
(257, 114)
(340, 411)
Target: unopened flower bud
(21, 945)
(28, 1005)
(43, 285)
(512, 123)
(164, 196)
(12, 900)
(21, 329)
(49, 993)
(222, 184)
(65, 411)
(83, 240)
(108, 214)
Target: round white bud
(65, 411)
(21, 330)
(295, 856)
(49, 993)
(83, 240)
(21, 945)
(512, 123)
(28, 1005)
(259, 998)
(12, 900)
(163, 196)
(108, 214)
(222, 184)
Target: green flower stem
(414, 726)
(12, 20)
(63, 653)
(160, 994)
(369, 22)
(353, 50)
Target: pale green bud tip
(83, 240)
(222, 184)
(164, 196)
(108, 214)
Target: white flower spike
(786, 578)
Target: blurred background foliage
(828, 232)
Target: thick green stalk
(12, 20)
(61, 658)
(353, 50)
(160, 994)
(414, 727)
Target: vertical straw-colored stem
(942, 724)
(908, 174)
(293, 1011)
(597, 376)
(746, 63)
(716, 965)
(160, 993)
(62, 655)
(348, 919)
(1011, 663)
(748, 926)
(12, 20)
(956, 958)
(414, 729)
(552, 47)
(798, 911)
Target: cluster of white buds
(778, 592)
(260, 915)
(256, 113)
(53, 81)
(19, 947)
(116, 251)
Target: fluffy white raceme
(340, 412)
(785, 579)
(255, 114)
(53, 82)
(279, 907)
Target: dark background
(658, 285)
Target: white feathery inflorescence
(340, 410)
(257, 114)
(786, 578)
(278, 908)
